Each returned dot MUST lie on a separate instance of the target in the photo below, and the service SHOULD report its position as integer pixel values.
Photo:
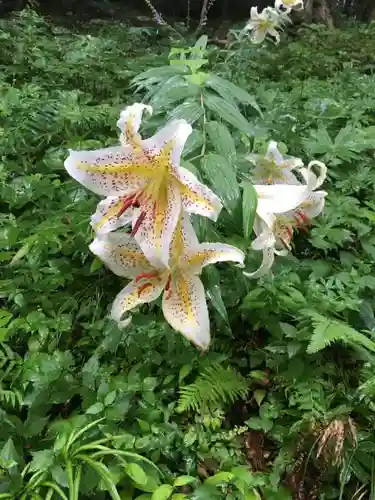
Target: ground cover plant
(281, 405)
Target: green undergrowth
(284, 400)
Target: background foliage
(282, 406)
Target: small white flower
(263, 24)
(288, 5)
(273, 168)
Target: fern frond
(215, 387)
(12, 398)
(328, 330)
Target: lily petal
(314, 204)
(129, 123)
(267, 262)
(185, 309)
(279, 198)
(121, 254)
(196, 197)
(106, 217)
(211, 253)
(273, 153)
(258, 35)
(184, 238)
(169, 141)
(159, 220)
(313, 181)
(115, 171)
(135, 294)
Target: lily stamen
(146, 276)
(138, 223)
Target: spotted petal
(169, 141)
(184, 238)
(121, 254)
(185, 309)
(135, 294)
(211, 253)
(158, 222)
(266, 265)
(196, 197)
(115, 171)
(106, 217)
(313, 205)
(129, 123)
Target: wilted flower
(144, 174)
(184, 304)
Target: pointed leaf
(182, 480)
(249, 208)
(136, 472)
(226, 88)
(163, 492)
(222, 179)
(189, 110)
(228, 112)
(222, 140)
(212, 287)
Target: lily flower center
(268, 171)
(283, 230)
(155, 192)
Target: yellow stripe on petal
(107, 218)
(111, 172)
(196, 197)
(159, 220)
(184, 238)
(185, 309)
(121, 254)
(211, 253)
(135, 294)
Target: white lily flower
(143, 174)
(275, 223)
(263, 24)
(184, 303)
(273, 168)
(289, 5)
(313, 205)
(279, 198)
(274, 235)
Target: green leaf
(173, 90)
(214, 292)
(220, 477)
(221, 140)
(259, 395)
(189, 110)
(95, 409)
(136, 472)
(95, 265)
(182, 480)
(184, 372)
(223, 180)
(227, 89)
(249, 208)
(163, 492)
(228, 112)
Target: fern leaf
(328, 330)
(215, 387)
